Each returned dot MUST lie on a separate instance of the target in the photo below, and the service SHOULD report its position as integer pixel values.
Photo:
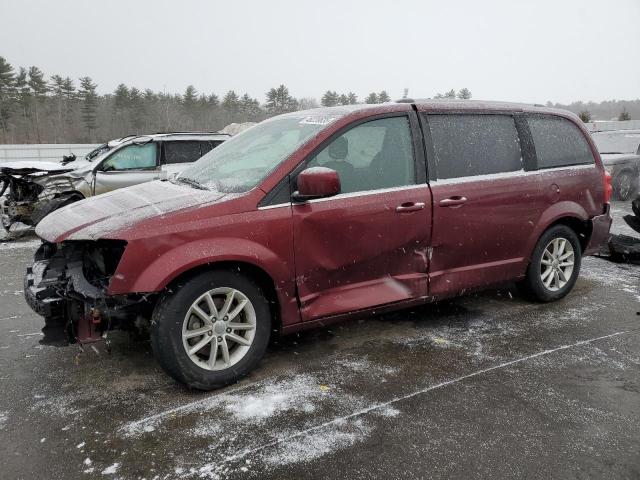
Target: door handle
(456, 201)
(410, 207)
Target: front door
(130, 165)
(368, 245)
(485, 202)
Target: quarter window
(558, 142)
(373, 155)
(132, 157)
(470, 145)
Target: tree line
(57, 109)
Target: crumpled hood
(110, 214)
(26, 167)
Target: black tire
(625, 185)
(167, 321)
(532, 285)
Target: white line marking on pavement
(139, 424)
(378, 406)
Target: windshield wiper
(191, 182)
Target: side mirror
(316, 182)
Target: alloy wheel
(556, 264)
(219, 328)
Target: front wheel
(555, 265)
(212, 329)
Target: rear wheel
(555, 265)
(212, 329)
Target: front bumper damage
(67, 285)
(27, 195)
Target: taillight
(608, 188)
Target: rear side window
(558, 142)
(181, 152)
(471, 145)
(209, 145)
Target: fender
(563, 209)
(131, 277)
(174, 262)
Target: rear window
(181, 152)
(209, 145)
(558, 142)
(471, 145)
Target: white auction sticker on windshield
(317, 120)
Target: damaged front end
(29, 193)
(67, 285)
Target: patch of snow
(304, 448)
(110, 470)
(268, 399)
(4, 416)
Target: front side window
(469, 145)
(241, 162)
(181, 152)
(373, 155)
(558, 142)
(132, 157)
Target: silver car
(34, 189)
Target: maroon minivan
(319, 215)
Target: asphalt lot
(485, 386)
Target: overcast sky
(559, 50)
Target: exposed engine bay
(67, 285)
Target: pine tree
(464, 94)
(213, 100)
(136, 109)
(38, 86)
(330, 99)
(585, 116)
(279, 101)
(343, 100)
(250, 108)
(231, 104)
(450, 94)
(121, 98)
(372, 98)
(383, 97)
(7, 94)
(88, 97)
(189, 98)
(24, 99)
(352, 98)
(624, 115)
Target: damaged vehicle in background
(620, 152)
(34, 189)
(318, 216)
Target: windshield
(240, 163)
(96, 152)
